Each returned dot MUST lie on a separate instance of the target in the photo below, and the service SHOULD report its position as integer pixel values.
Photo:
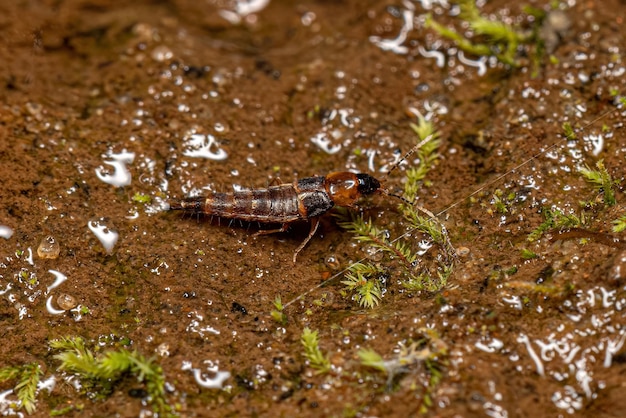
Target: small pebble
(34, 109)
(462, 251)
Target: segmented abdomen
(277, 204)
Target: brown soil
(82, 80)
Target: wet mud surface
(109, 112)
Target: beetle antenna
(408, 154)
(388, 193)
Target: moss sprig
(100, 374)
(362, 278)
(619, 225)
(312, 352)
(278, 313)
(556, 219)
(428, 156)
(27, 377)
(368, 233)
(602, 181)
(429, 351)
(492, 37)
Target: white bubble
(322, 141)
(243, 8)
(108, 237)
(6, 232)
(59, 278)
(121, 176)
(51, 309)
(216, 382)
(200, 146)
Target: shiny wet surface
(107, 113)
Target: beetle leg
(276, 181)
(315, 222)
(283, 228)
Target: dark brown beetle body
(305, 199)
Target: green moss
(492, 37)
(100, 374)
(602, 181)
(430, 352)
(619, 225)
(27, 377)
(556, 219)
(277, 313)
(363, 278)
(142, 198)
(528, 254)
(317, 360)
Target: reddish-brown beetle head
(346, 188)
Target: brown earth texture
(111, 305)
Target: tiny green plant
(65, 410)
(568, 131)
(370, 358)
(429, 282)
(556, 219)
(27, 378)
(310, 341)
(602, 181)
(502, 203)
(619, 225)
(528, 254)
(429, 351)
(141, 198)
(99, 374)
(363, 279)
(546, 289)
(497, 38)
(499, 204)
(277, 313)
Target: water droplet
(107, 236)
(66, 302)
(215, 383)
(59, 278)
(163, 350)
(373, 253)
(51, 309)
(200, 146)
(49, 248)
(161, 53)
(121, 176)
(322, 141)
(6, 232)
(332, 262)
(307, 18)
